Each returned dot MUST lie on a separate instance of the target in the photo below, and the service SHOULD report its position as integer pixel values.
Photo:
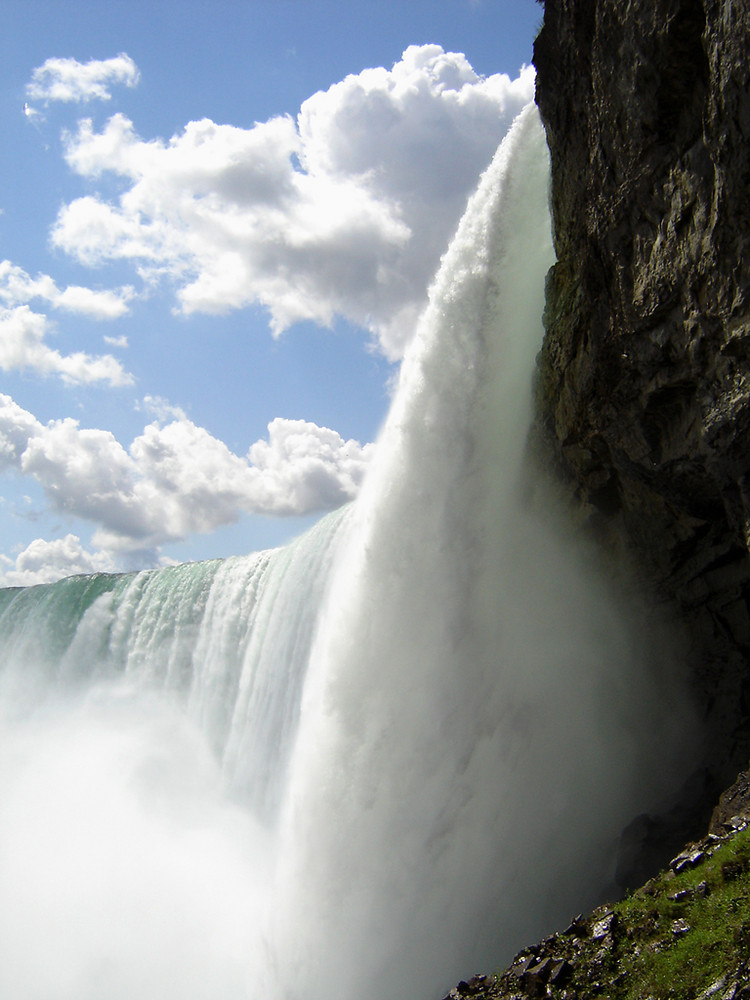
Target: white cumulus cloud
(46, 561)
(24, 332)
(304, 467)
(343, 211)
(68, 80)
(161, 408)
(107, 304)
(17, 287)
(121, 341)
(23, 348)
(175, 478)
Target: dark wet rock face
(644, 377)
(733, 804)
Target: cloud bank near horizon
(174, 479)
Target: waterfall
(227, 640)
(367, 764)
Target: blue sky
(218, 223)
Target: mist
(124, 870)
(375, 762)
(462, 791)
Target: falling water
(368, 764)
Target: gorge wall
(643, 390)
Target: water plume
(453, 793)
(368, 764)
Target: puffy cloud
(107, 304)
(17, 287)
(161, 408)
(176, 479)
(23, 331)
(306, 467)
(17, 428)
(44, 562)
(121, 341)
(344, 211)
(23, 348)
(69, 80)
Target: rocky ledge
(685, 935)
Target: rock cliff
(644, 377)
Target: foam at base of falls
(124, 870)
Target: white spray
(478, 721)
(212, 790)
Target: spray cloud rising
(372, 762)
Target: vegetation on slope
(685, 935)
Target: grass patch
(683, 935)
(681, 932)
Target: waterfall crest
(228, 640)
(370, 763)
